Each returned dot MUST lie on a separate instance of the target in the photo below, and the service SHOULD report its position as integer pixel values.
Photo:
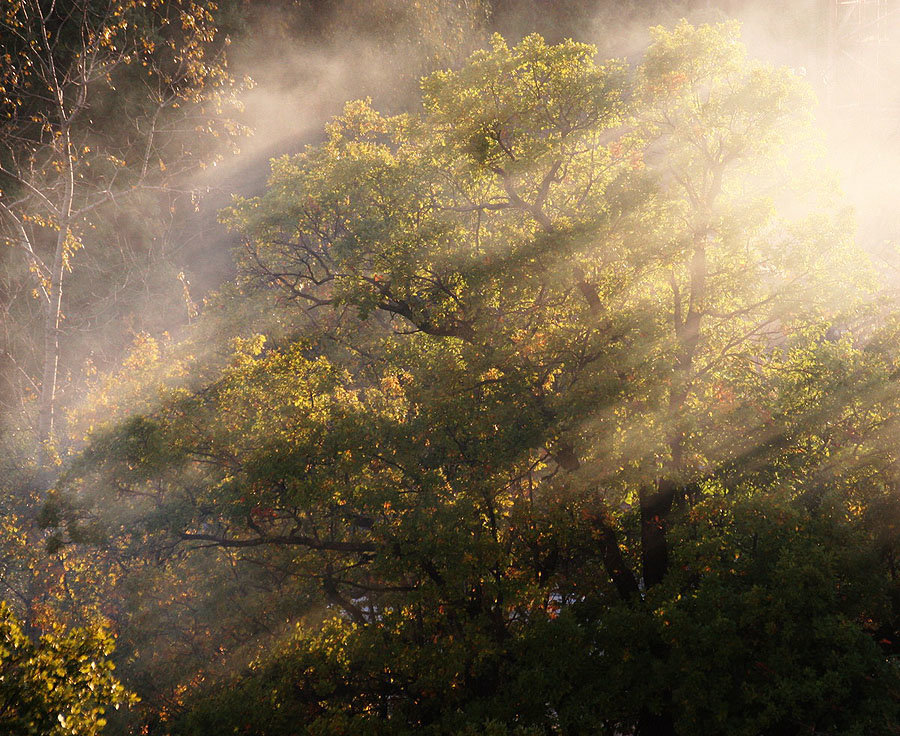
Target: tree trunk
(616, 566)
(50, 369)
(49, 374)
(656, 506)
(51, 364)
(655, 510)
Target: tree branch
(297, 540)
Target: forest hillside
(450, 367)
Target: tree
(546, 344)
(59, 685)
(69, 69)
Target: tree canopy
(570, 414)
